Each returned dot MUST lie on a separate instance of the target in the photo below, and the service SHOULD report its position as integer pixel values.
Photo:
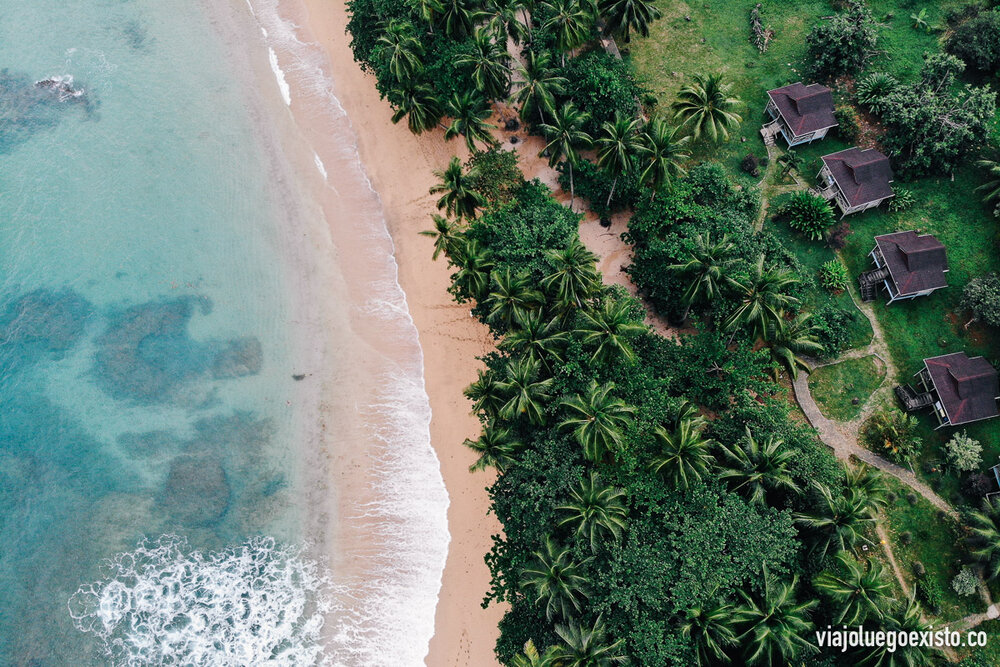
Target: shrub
(872, 90)
(981, 298)
(848, 122)
(903, 200)
(918, 569)
(894, 433)
(891, 497)
(751, 165)
(832, 327)
(929, 592)
(498, 174)
(905, 538)
(593, 184)
(911, 498)
(837, 238)
(808, 214)
(978, 485)
(601, 85)
(965, 582)
(844, 44)
(964, 453)
(977, 41)
(833, 276)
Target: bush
(965, 582)
(808, 214)
(918, 569)
(981, 298)
(977, 41)
(848, 123)
(872, 90)
(833, 276)
(964, 453)
(903, 200)
(593, 184)
(905, 538)
(978, 485)
(499, 176)
(844, 44)
(601, 85)
(837, 238)
(892, 432)
(751, 165)
(929, 592)
(832, 326)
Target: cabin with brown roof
(907, 265)
(856, 179)
(961, 389)
(799, 113)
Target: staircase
(869, 281)
(912, 399)
(770, 132)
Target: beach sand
(399, 165)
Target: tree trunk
(572, 193)
(611, 194)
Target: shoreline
(399, 166)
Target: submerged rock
(197, 491)
(55, 320)
(28, 106)
(238, 358)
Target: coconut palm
(610, 328)
(706, 109)
(904, 617)
(859, 591)
(503, 21)
(777, 627)
(984, 543)
(763, 296)
(991, 187)
(489, 63)
(447, 235)
(496, 448)
(459, 17)
(570, 21)
(660, 152)
(837, 520)
(597, 419)
(538, 86)
(458, 196)
(553, 578)
(706, 269)
(711, 629)
(788, 161)
(511, 297)
(418, 104)
(621, 17)
(402, 49)
(573, 278)
(524, 391)
(486, 394)
(597, 511)
(617, 145)
(685, 454)
(469, 111)
(756, 467)
(536, 337)
(428, 11)
(869, 482)
(564, 137)
(473, 276)
(788, 339)
(587, 647)
(532, 658)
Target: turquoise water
(147, 322)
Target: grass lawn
(835, 387)
(990, 654)
(936, 542)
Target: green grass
(936, 542)
(991, 652)
(835, 387)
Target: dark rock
(855, 401)
(239, 358)
(197, 491)
(55, 320)
(514, 139)
(512, 125)
(298, 377)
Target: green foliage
(902, 201)
(495, 175)
(976, 41)
(981, 298)
(807, 213)
(706, 109)
(872, 90)
(601, 86)
(848, 122)
(833, 276)
(892, 433)
(929, 593)
(965, 582)
(964, 453)
(844, 44)
(594, 184)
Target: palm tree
(485, 393)
(705, 107)
(503, 21)
(402, 49)
(685, 455)
(428, 10)
(574, 277)
(859, 591)
(788, 339)
(837, 520)
(458, 197)
(564, 136)
(532, 658)
(778, 627)
(984, 543)
(596, 510)
(469, 111)
(536, 338)
(991, 187)
(903, 618)
(473, 276)
(758, 467)
(525, 393)
(447, 235)
(556, 580)
(570, 21)
(711, 631)
(763, 297)
(623, 16)
(707, 268)
(788, 161)
(496, 448)
(418, 103)
(616, 147)
(597, 419)
(490, 64)
(660, 152)
(538, 86)
(868, 482)
(511, 298)
(610, 328)
(586, 647)
(459, 17)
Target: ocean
(214, 443)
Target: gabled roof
(916, 262)
(864, 176)
(966, 386)
(804, 109)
